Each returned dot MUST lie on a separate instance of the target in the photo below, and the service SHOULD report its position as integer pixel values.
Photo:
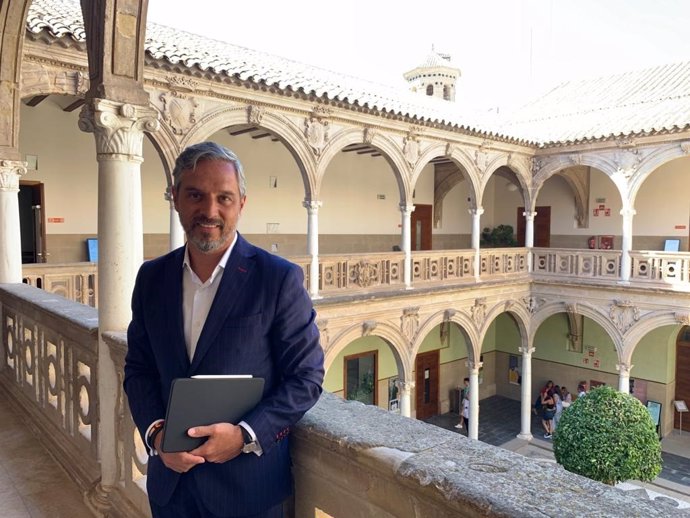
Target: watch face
(250, 447)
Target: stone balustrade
(74, 281)
(661, 268)
(350, 460)
(429, 266)
(601, 265)
(49, 369)
(500, 262)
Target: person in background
(219, 305)
(581, 390)
(548, 412)
(464, 397)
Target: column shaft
(313, 245)
(476, 235)
(626, 243)
(10, 232)
(526, 394)
(406, 212)
(177, 236)
(473, 431)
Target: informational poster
(654, 408)
(514, 369)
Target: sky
(508, 51)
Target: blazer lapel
(230, 294)
(173, 310)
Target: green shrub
(500, 236)
(608, 436)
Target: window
(430, 90)
(360, 377)
(446, 92)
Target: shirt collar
(221, 264)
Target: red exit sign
(680, 227)
(56, 220)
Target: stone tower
(436, 76)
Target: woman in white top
(559, 405)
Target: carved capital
(10, 172)
(405, 387)
(527, 351)
(406, 209)
(168, 195)
(474, 367)
(118, 127)
(312, 206)
(624, 368)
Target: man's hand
(224, 442)
(180, 462)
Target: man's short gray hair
(208, 150)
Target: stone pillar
(473, 431)
(119, 132)
(529, 236)
(406, 211)
(476, 235)
(405, 388)
(10, 233)
(624, 377)
(526, 394)
(626, 243)
(312, 207)
(177, 236)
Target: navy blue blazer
(261, 322)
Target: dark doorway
(426, 384)
(421, 227)
(32, 222)
(542, 227)
(361, 377)
(683, 375)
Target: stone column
(626, 243)
(405, 388)
(119, 132)
(529, 236)
(406, 211)
(473, 431)
(526, 394)
(476, 235)
(177, 237)
(312, 207)
(624, 377)
(10, 234)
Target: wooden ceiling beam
(76, 104)
(242, 131)
(36, 100)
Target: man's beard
(205, 244)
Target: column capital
(529, 215)
(628, 212)
(10, 172)
(118, 127)
(312, 205)
(404, 386)
(475, 366)
(168, 194)
(476, 212)
(406, 209)
(624, 368)
(526, 351)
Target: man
(220, 306)
(464, 405)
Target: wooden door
(421, 227)
(426, 384)
(32, 222)
(683, 375)
(542, 227)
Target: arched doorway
(683, 375)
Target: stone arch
(460, 156)
(291, 136)
(460, 319)
(387, 332)
(13, 19)
(653, 161)
(503, 161)
(646, 324)
(519, 314)
(165, 143)
(389, 149)
(586, 310)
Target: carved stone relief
(368, 327)
(179, 111)
(322, 325)
(624, 314)
(627, 161)
(409, 322)
(42, 78)
(369, 135)
(479, 311)
(255, 114)
(316, 129)
(685, 147)
(411, 148)
(683, 318)
(364, 274)
(532, 304)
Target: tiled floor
(32, 484)
(499, 423)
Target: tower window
(430, 90)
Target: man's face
(209, 205)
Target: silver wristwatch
(250, 445)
